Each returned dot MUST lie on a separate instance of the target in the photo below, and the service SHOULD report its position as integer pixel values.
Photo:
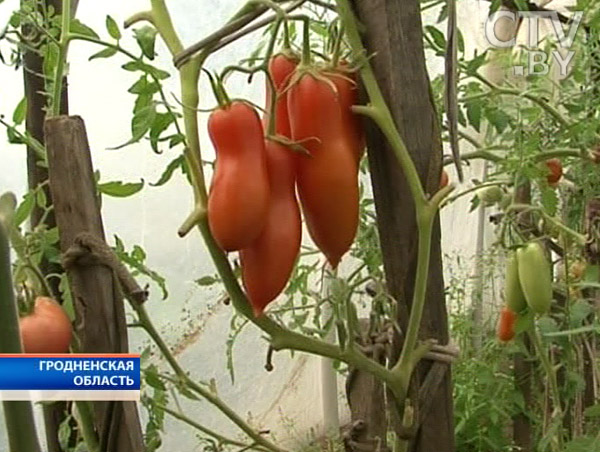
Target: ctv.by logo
(538, 60)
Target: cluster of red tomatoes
(252, 205)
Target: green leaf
(498, 118)
(169, 170)
(161, 122)
(138, 65)
(146, 38)
(583, 444)
(207, 280)
(474, 108)
(144, 86)
(112, 28)
(176, 139)
(476, 63)
(593, 411)
(78, 27)
(107, 52)
(549, 200)
(152, 379)
(437, 36)
(119, 189)
(64, 433)
(20, 112)
(132, 260)
(24, 210)
(141, 123)
(41, 198)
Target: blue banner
(69, 372)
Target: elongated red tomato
(328, 178)
(47, 329)
(347, 87)
(239, 195)
(506, 324)
(281, 68)
(268, 263)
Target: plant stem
(86, 425)
(425, 223)
(536, 100)
(425, 210)
(18, 416)
(63, 48)
(182, 417)
(550, 373)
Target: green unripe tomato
(535, 277)
(490, 195)
(513, 293)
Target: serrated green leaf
(138, 65)
(112, 28)
(144, 86)
(120, 189)
(146, 38)
(437, 36)
(474, 109)
(169, 170)
(152, 379)
(176, 139)
(78, 27)
(20, 111)
(107, 52)
(161, 122)
(549, 200)
(24, 210)
(138, 253)
(498, 118)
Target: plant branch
(182, 417)
(18, 415)
(536, 100)
(63, 48)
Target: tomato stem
(425, 210)
(63, 46)
(337, 46)
(20, 424)
(306, 57)
(550, 372)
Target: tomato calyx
(294, 146)
(311, 71)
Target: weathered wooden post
(100, 316)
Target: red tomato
(347, 88)
(444, 179)
(239, 195)
(555, 171)
(328, 178)
(506, 325)
(281, 68)
(268, 263)
(47, 329)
